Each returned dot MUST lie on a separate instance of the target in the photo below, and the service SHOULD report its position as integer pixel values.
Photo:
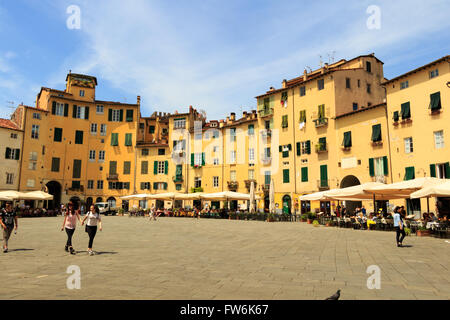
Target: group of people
(92, 219)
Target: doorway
(350, 181)
(54, 188)
(287, 204)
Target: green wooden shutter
(166, 167)
(409, 173)
(285, 175)
(321, 111)
(347, 139)
(78, 137)
(121, 115)
(109, 114)
(299, 152)
(128, 139)
(86, 113)
(376, 132)
(54, 107)
(405, 110)
(74, 111)
(126, 167)
(305, 174)
(114, 139)
(385, 166)
(447, 170)
(76, 169)
(129, 117)
(280, 148)
(203, 158)
(308, 147)
(17, 154)
(433, 170)
(323, 176)
(371, 167)
(396, 116)
(155, 167)
(165, 185)
(8, 153)
(57, 135)
(66, 110)
(192, 159)
(435, 101)
(155, 185)
(112, 167)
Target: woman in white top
(93, 218)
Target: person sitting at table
(426, 217)
(433, 218)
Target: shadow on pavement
(23, 249)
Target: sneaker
(5, 250)
(91, 253)
(72, 251)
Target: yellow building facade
(11, 137)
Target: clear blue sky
(214, 55)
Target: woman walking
(8, 219)
(69, 224)
(93, 219)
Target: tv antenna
(331, 57)
(309, 68)
(320, 61)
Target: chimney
(228, 119)
(305, 75)
(271, 89)
(233, 116)
(284, 83)
(138, 100)
(191, 109)
(244, 114)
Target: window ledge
(435, 112)
(346, 148)
(409, 120)
(377, 143)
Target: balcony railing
(266, 133)
(77, 189)
(177, 178)
(320, 122)
(248, 183)
(321, 147)
(113, 176)
(323, 184)
(266, 111)
(233, 185)
(266, 160)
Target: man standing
(8, 219)
(399, 226)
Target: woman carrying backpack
(93, 219)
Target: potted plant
(311, 217)
(303, 217)
(121, 211)
(270, 217)
(329, 223)
(315, 223)
(423, 232)
(408, 231)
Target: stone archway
(350, 181)
(54, 188)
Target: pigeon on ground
(335, 296)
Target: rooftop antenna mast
(331, 57)
(320, 61)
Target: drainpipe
(293, 147)
(23, 146)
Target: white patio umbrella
(271, 197)
(438, 190)
(316, 196)
(14, 195)
(252, 198)
(404, 187)
(225, 195)
(3, 198)
(36, 195)
(188, 196)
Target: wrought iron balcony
(113, 176)
(321, 147)
(177, 178)
(233, 185)
(321, 122)
(266, 111)
(323, 184)
(249, 182)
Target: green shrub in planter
(315, 223)
(408, 231)
(311, 215)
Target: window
(251, 174)
(103, 129)
(162, 169)
(13, 135)
(129, 115)
(99, 184)
(114, 139)
(91, 155)
(32, 165)
(30, 183)
(323, 176)
(404, 85)
(80, 112)
(76, 174)
(435, 101)
(179, 123)
(369, 90)
(409, 173)
(216, 182)
(113, 167)
(12, 154)
(320, 84)
(408, 145)
(128, 139)
(302, 91)
(251, 129)
(93, 128)
(145, 185)
(9, 178)
(35, 131)
(90, 184)
(267, 177)
(216, 161)
(439, 139)
(267, 153)
(57, 137)
(161, 152)
(251, 155)
(284, 121)
(232, 134)
(233, 156)
(305, 174)
(101, 156)
(78, 137)
(434, 73)
(355, 106)
(443, 170)
(116, 115)
(144, 167)
(368, 66)
(267, 124)
(33, 156)
(378, 167)
(285, 175)
(376, 133)
(100, 109)
(144, 152)
(36, 116)
(347, 143)
(55, 164)
(359, 83)
(197, 182)
(151, 129)
(58, 109)
(405, 111)
(233, 175)
(347, 83)
(126, 167)
(305, 147)
(81, 93)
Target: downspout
(23, 146)
(294, 145)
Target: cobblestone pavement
(183, 258)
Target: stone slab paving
(182, 258)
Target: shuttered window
(433, 170)
(409, 173)
(305, 174)
(55, 164)
(129, 115)
(126, 167)
(321, 110)
(78, 137)
(144, 167)
(113, 167)
(396, 116)
(435, 101)
(347, 143)
(58, 135)
(284, 121)
(114, 139)
(128, 139)
(302, 116)
(405, 110)
(76, 169)
(376, 133)
(324, 176)
(285, 175)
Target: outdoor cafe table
(432, 225)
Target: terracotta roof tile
(5, 123)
